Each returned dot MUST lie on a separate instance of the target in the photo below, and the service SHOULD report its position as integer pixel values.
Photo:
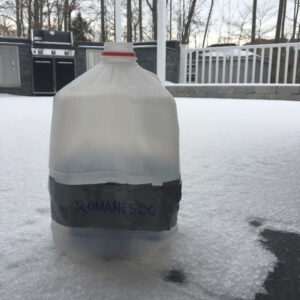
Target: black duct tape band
(113, 205)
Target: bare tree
(283, 19)
(238, 27)
(102, 8)
(59, 14)
(135, 11)
(265, 14)
(49, 10)
(207, 22)
(140, 20)
(69, 18)
(171, 19)
(18, 21)
(68, 7)
(153, 8)
(187, 25)
(279, 20)
(129, 21)
(36, 9)
(179, 20)
(65, 14)
(29, 11)
(295, 18)
(22, 18)
(41, 11)
(101, 19)
(253, 31)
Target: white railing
(250, 64)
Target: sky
(236, 12)
(239, 11)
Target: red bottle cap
(107, 53)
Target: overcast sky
(238, 10)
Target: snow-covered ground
(240, 161)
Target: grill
(53, 60)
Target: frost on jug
(114, 177)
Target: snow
(235, 52)
(168, 83)
(239, 162)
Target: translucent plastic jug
(114, 177)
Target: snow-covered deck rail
(249, 64)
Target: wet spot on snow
(255, 223)
(176, 276)
(43, 210)
(12, 266)
(206, 166)
(5, 190)
(29, 222)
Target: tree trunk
(253, 21)
(48, 15)
(129, 21)
(183, 13)
(171, 18)
(66, 7)
(69, 19)
(283, 19)
(207, 22)
(154, 20)
(59, 16)
(135, 32)
(153, 9)
(187, 24)
(102, 7)
(279, 21)
(22, 18)
(18, 22)
(140, 20)
(179, 21)
(36, 9)
(41, 13)
(295, 19)
(29, 17)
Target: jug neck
(119, 59)
(118, 52)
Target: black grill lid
(51, 36)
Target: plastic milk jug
(114, 177)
